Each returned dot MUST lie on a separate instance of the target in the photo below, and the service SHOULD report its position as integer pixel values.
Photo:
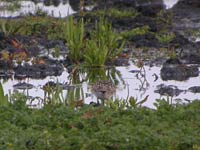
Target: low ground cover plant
(114, 13)
(168, 127)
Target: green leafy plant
(95, 74)
(74, 36)
(133, 102)
(95, 55)
(104, 34)
(117, 104)
(104, 44)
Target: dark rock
(23, 86)
(194, 89)
(191, 58)
(53, 85)
(187, 51)
(186, 14)
(95, 104)
(6, 74)
(121, 62)
(122, 23)
(194, 3)
(172, 61)
(75, 4)
(141, 20)
(53, 2)
(34, 45)
(131, 23)
(151, 9)
(4, 65)
(38, 71)
(135, 71)
(117, 3)
(169, 90)
(172, 69)
(181, 40)
(147, 40)
(130, 3)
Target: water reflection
(93, 76)
(73, 88)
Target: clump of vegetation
(103, 45)
(74, 36)
(95, 55)
(115, 13)
(196, 33)
(165, 37)
(164, 19)
(44, 26)
(136, 31)
(8, 27)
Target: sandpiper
(103, 89)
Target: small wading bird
(103, 89)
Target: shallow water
(170, 3)
(62, 10)
(129, 84)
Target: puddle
(130, 83)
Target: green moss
(115, 13)
(165, 37)
(44, 26)
(136, 31)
